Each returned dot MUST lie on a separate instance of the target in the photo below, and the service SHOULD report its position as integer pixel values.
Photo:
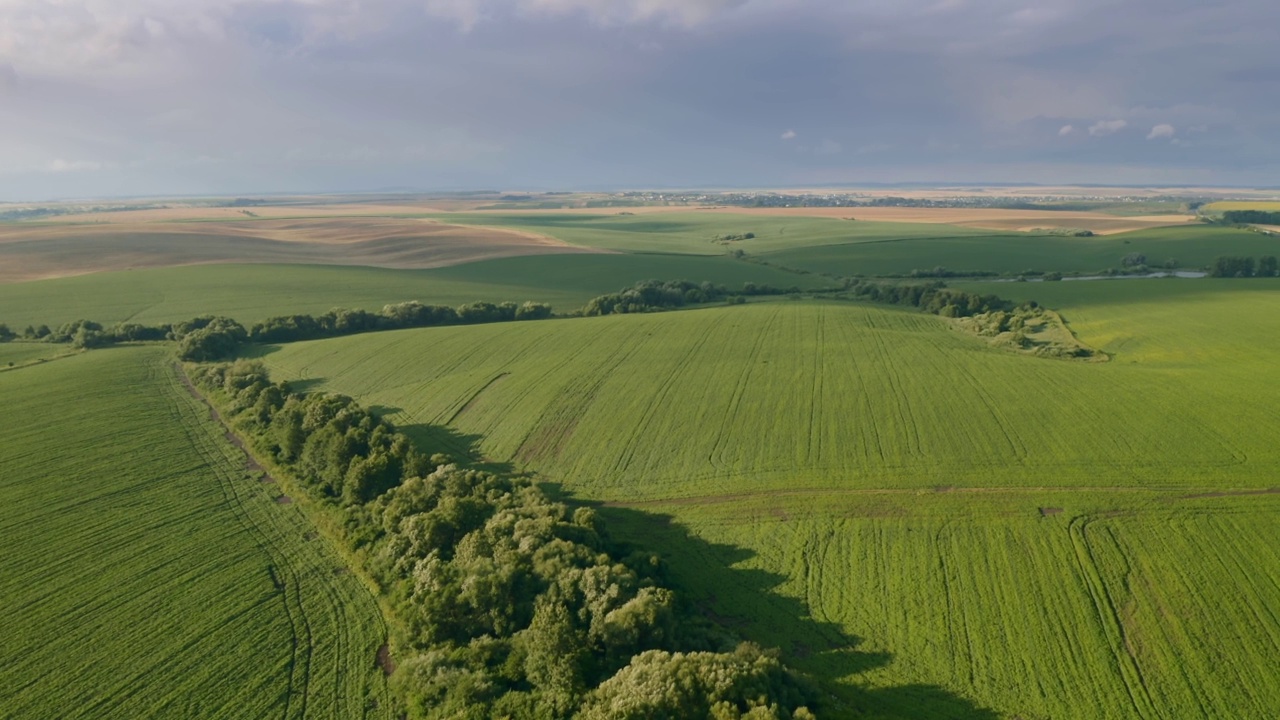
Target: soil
(384, 660)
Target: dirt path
(250, 463)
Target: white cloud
(1163, 130)
(1107, 127)
(62, 166)
(789, 135)
(1066, 130)
(683, 13)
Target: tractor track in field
(323, 643)
(725, 498)
(282, 574)
(1110, 619)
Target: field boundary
(295, 575)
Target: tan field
(36, 251)
(990, 219)
(199, 213)
(1263, 205)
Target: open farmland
(1191, 246)
(33, 251)
(146, 573)
(982, 218)
(701, 232)
(253, 292)
(1226, 205)
(900, 507)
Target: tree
(1267, 266)
(1133, 260)
(554, 655)
(5, 333)
(1231, 267)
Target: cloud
(1107, 127)
(1163, 130)
(65, 166)
(681, 13)
(357, 94)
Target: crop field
(696, 232)
(1191, 246)
(35, 251)
(16, 354)
(779, 396)
(253, 292)
(1225, 205)
(983, 218)
(945, 528)
(146, 573)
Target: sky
(104, 98)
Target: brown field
(989, 219)
(35, 251)
(197, 213)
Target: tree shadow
(462, 448)
(305, 386)
(747, 602)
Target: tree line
(1242, 267)
(1251, 217)
(210, 337)
(506, 603)
(934, 297)
(656, 295)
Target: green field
(695, 233)
(932, 526)
(1189, 247)
(14, 355)
(253, 292)
(841, 247)
(947, 529)
(147, 574)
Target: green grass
(1191, 246)
(695, 233)
(145, 573)
(25, 353)
(864, 486)
(805, 394)
(254, 292)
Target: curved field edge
(811, 395)
(148, 573)
(990, 568)
(250, 293)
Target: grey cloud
(1107, 127)
(223, 95)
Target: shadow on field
(746, 602)
(462, 448)
(306, 385)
